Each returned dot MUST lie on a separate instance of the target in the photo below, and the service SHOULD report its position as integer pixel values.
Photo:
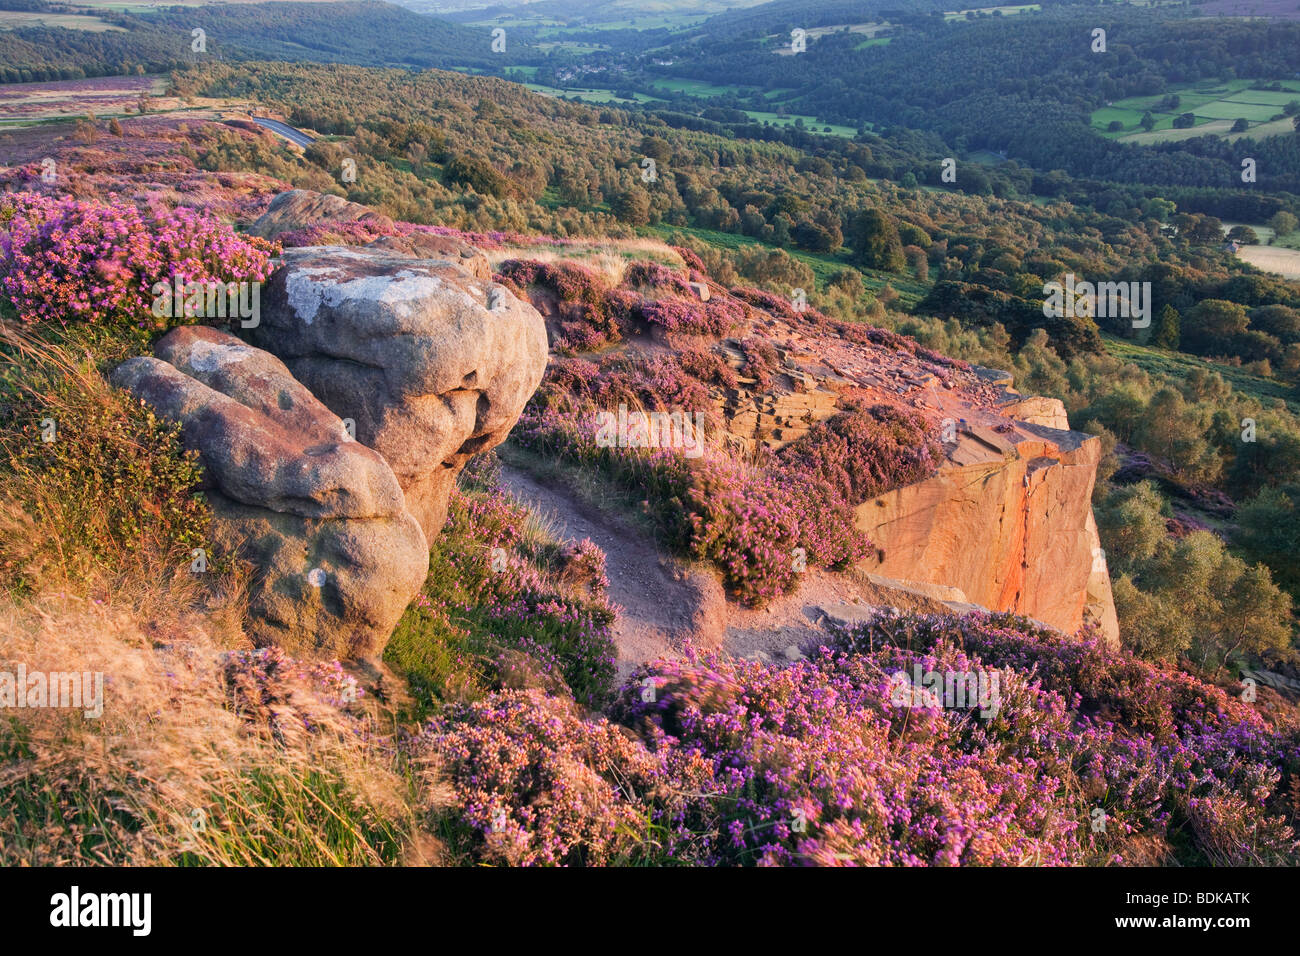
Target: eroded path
(659, 600)
(664, 604)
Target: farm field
(1006, 11)
(1215, 108)
(824, 267)
(588, 94)
(810, 122)
(1275, 259)
(16, 19)
(1275, 128)
(695, 87)
(639, 22)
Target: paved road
(283, 129)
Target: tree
(875, 241)
(814, 238)
(1211, 324)
(477, 174)
(631, 206)
(1240, 126)
(918, 262)
(1148, 122)
(1269, 531)
(417, 154)
(1283, 223)
(1280, 321)
(660, 150)
(1167, 331)
(1184, 121)
(87, 131)
(1243, 234)
(1193, 596)
(1131, 522)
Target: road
(283, 129)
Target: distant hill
(360, 32)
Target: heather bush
(333, 232)
(67, 261)
(1163, 749)
(761, 360)
(590, 316)
(797, 749)
(692, 259)
(725, 762)
(714, 318)
(537, 784)
(653, 277)
(863, 452)
(748, 522)
(705, 365)
(568, 281)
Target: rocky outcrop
(427, 245)
(320, 516)
(431, 363)
(298, 208)
(1007, 520)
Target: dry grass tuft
(187, 765)
(608, 257)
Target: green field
(1007, 11)
(1176, 365)
(589, 95)
(1215, 106)
(678, 21)
(695, 88)
(570, 46)
(810, 123)
(824, 267)
(18, 19)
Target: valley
(367, 579)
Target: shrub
(113, 487)
(68, 261)
(725, 762)
(536, 784)
(863, 452)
